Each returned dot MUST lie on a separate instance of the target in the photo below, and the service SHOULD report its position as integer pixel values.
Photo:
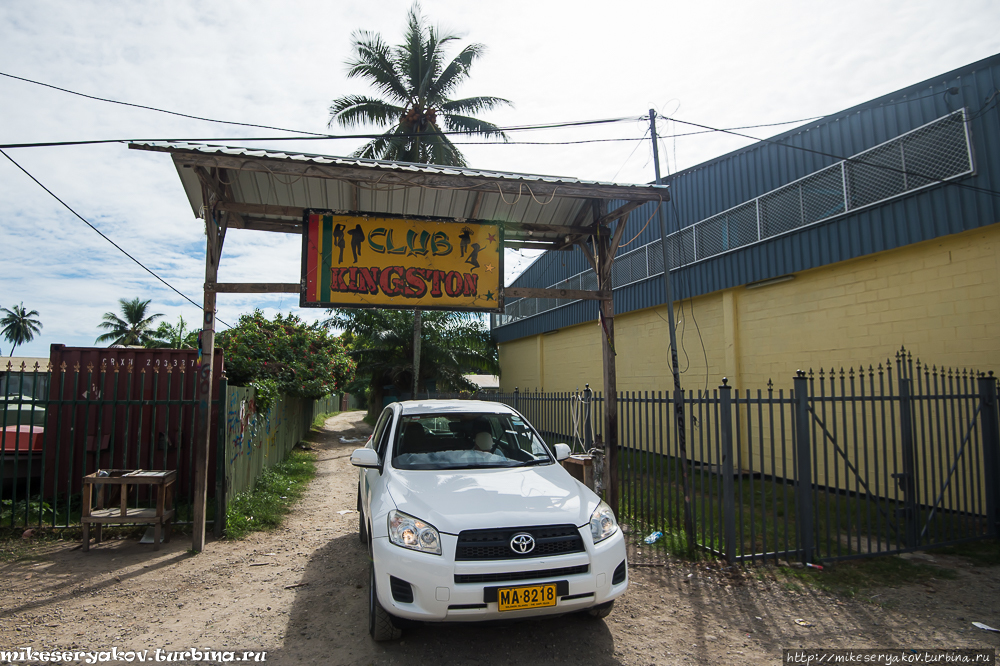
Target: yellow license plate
(532, 596)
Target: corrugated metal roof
(727, 181)
(261, 177)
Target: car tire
(362, 523)
(380, 623)
(601, 611)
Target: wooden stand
(160, 517)
(581, 466)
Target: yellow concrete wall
(941, 299)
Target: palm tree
(18, 326)
(174, 337)
(453, 344)
(414, 82)
(135, 329)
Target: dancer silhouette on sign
(474, 256)
(338, 240)
(357, 237)
(466, 236)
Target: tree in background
(453, 344)
(174, 337)
(414, 82)
(284, 356)
(136, 328)
(19, 325)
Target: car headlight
(413, 533)
(602, 522)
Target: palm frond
(359, 110)
(456, 71)
(374, 62)
(474, 126)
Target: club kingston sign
(395, 262)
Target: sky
(721, 64)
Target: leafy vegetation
(285, 356)
(135, 327)
(452, 345)
(277, 489)
(177, 336)
(19, 325)
(414, 81)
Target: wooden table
(160, 517)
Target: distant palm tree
(174, 337)
(18, 326)
(135, 329)
(414, 82)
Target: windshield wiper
(537, 461)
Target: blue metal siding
(715, 186)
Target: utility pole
(674, 367)
(417, 325)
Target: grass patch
(277, 489)
(985, 553)
(853, 578)
(321, 419)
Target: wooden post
(213, 251)
(606, 320)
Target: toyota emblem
(522, 543)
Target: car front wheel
(380, 623)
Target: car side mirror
(365, 458)
(562, 451)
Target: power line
(102, 235)
(325, 137)
(153, 108)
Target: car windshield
(466, 441)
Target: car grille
(520, 575)
(494, 544)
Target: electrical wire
(153, 108)
(105, 237)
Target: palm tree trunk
(416, 352)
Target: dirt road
(299, 593)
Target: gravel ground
(299, 593)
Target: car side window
(383, 436)
(380, 428)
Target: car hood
(456, 500)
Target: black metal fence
(846, 464)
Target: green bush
(284, 356)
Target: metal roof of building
(277, 186)
(710, 188)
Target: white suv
(468, 516)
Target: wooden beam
(616, 237)
(253, 287)
(260, 209)
(571, 294)
(550, 228)
(525, 245)
(618, 212)
(279, 226)
(587, 254)
(476, 203)
(386, 176)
